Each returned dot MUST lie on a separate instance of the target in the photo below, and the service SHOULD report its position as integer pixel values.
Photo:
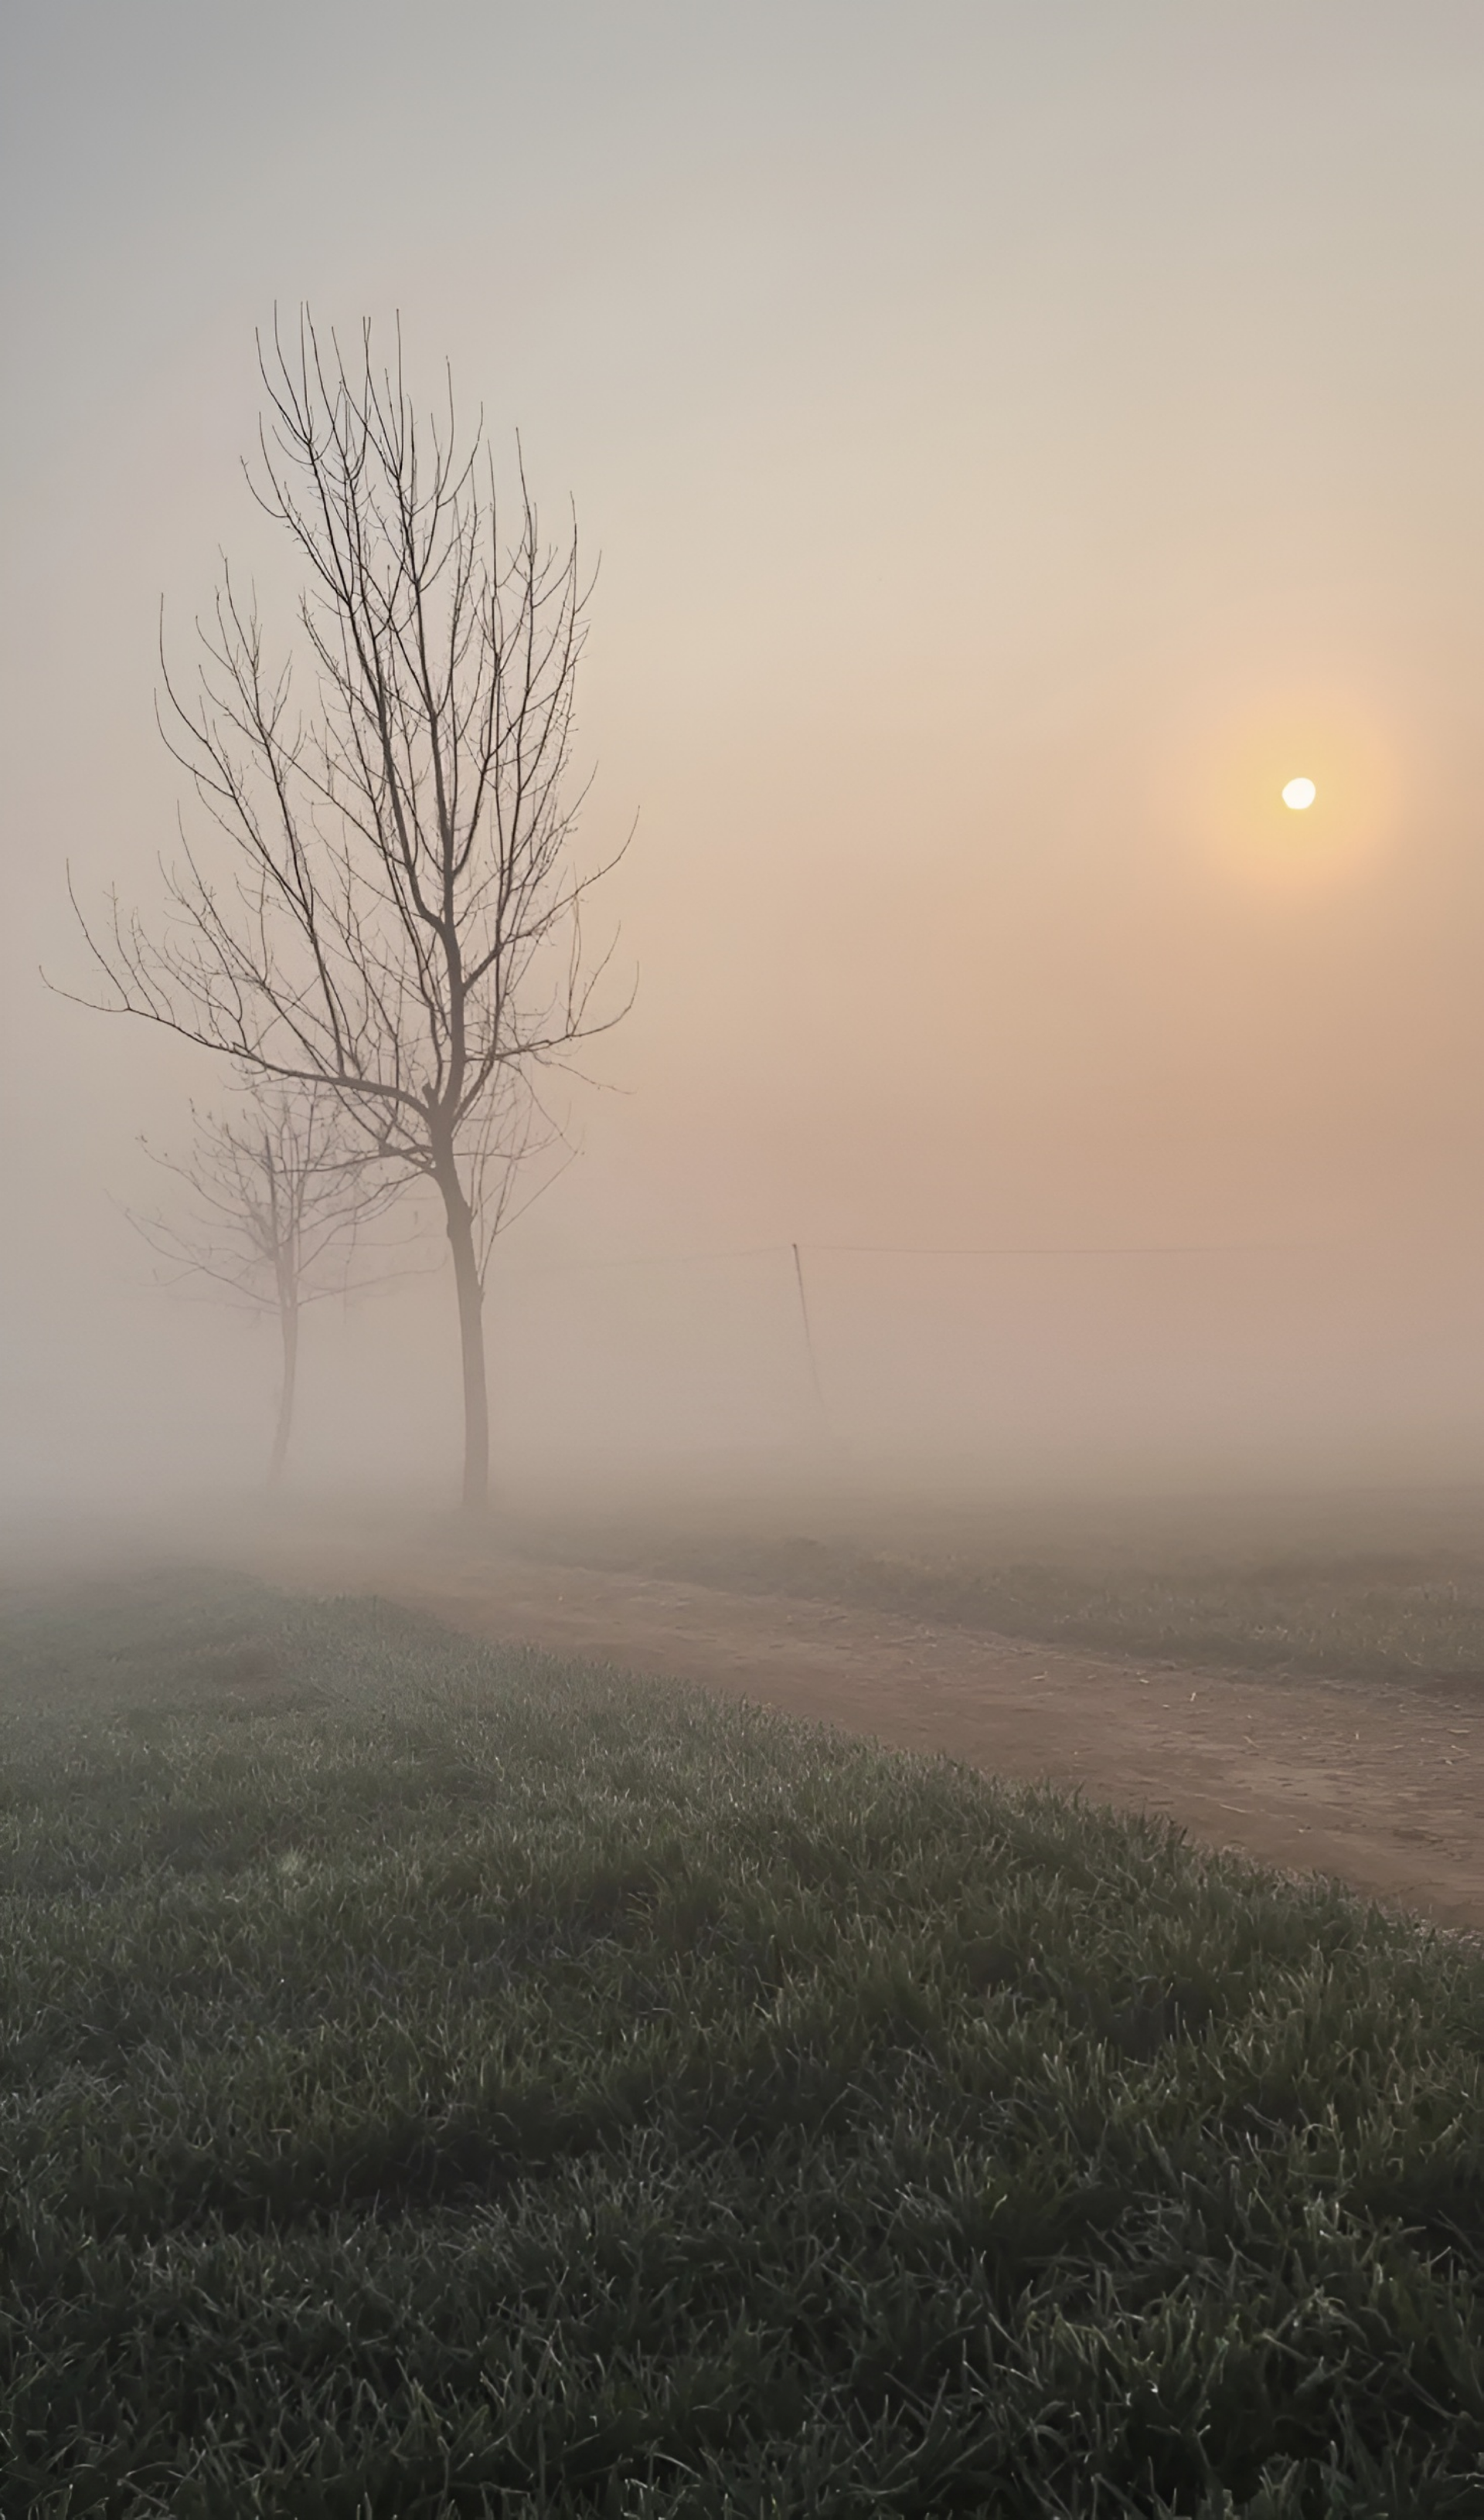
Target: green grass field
(440, 2081)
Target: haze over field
(1018, 441)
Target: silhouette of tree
(388, 906)
(279, 1200)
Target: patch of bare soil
(1377, 1783)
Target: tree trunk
(289, 1326)
(459, 1218)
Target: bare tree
(277, 1203)
(395, 913)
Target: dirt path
(1381, 1783)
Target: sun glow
(1270, 827)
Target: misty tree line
(378, 932)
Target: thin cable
(647, 1260)
(1059, 1251)
(924, 1251)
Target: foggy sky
(1017, 439)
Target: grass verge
(1359, 1613)
(441, 2080)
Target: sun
(1289, 792)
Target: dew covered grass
(1347, 1613)
(443, 2081)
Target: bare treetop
(407, 830)
(273, 1186)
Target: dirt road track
(1378, 1782)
